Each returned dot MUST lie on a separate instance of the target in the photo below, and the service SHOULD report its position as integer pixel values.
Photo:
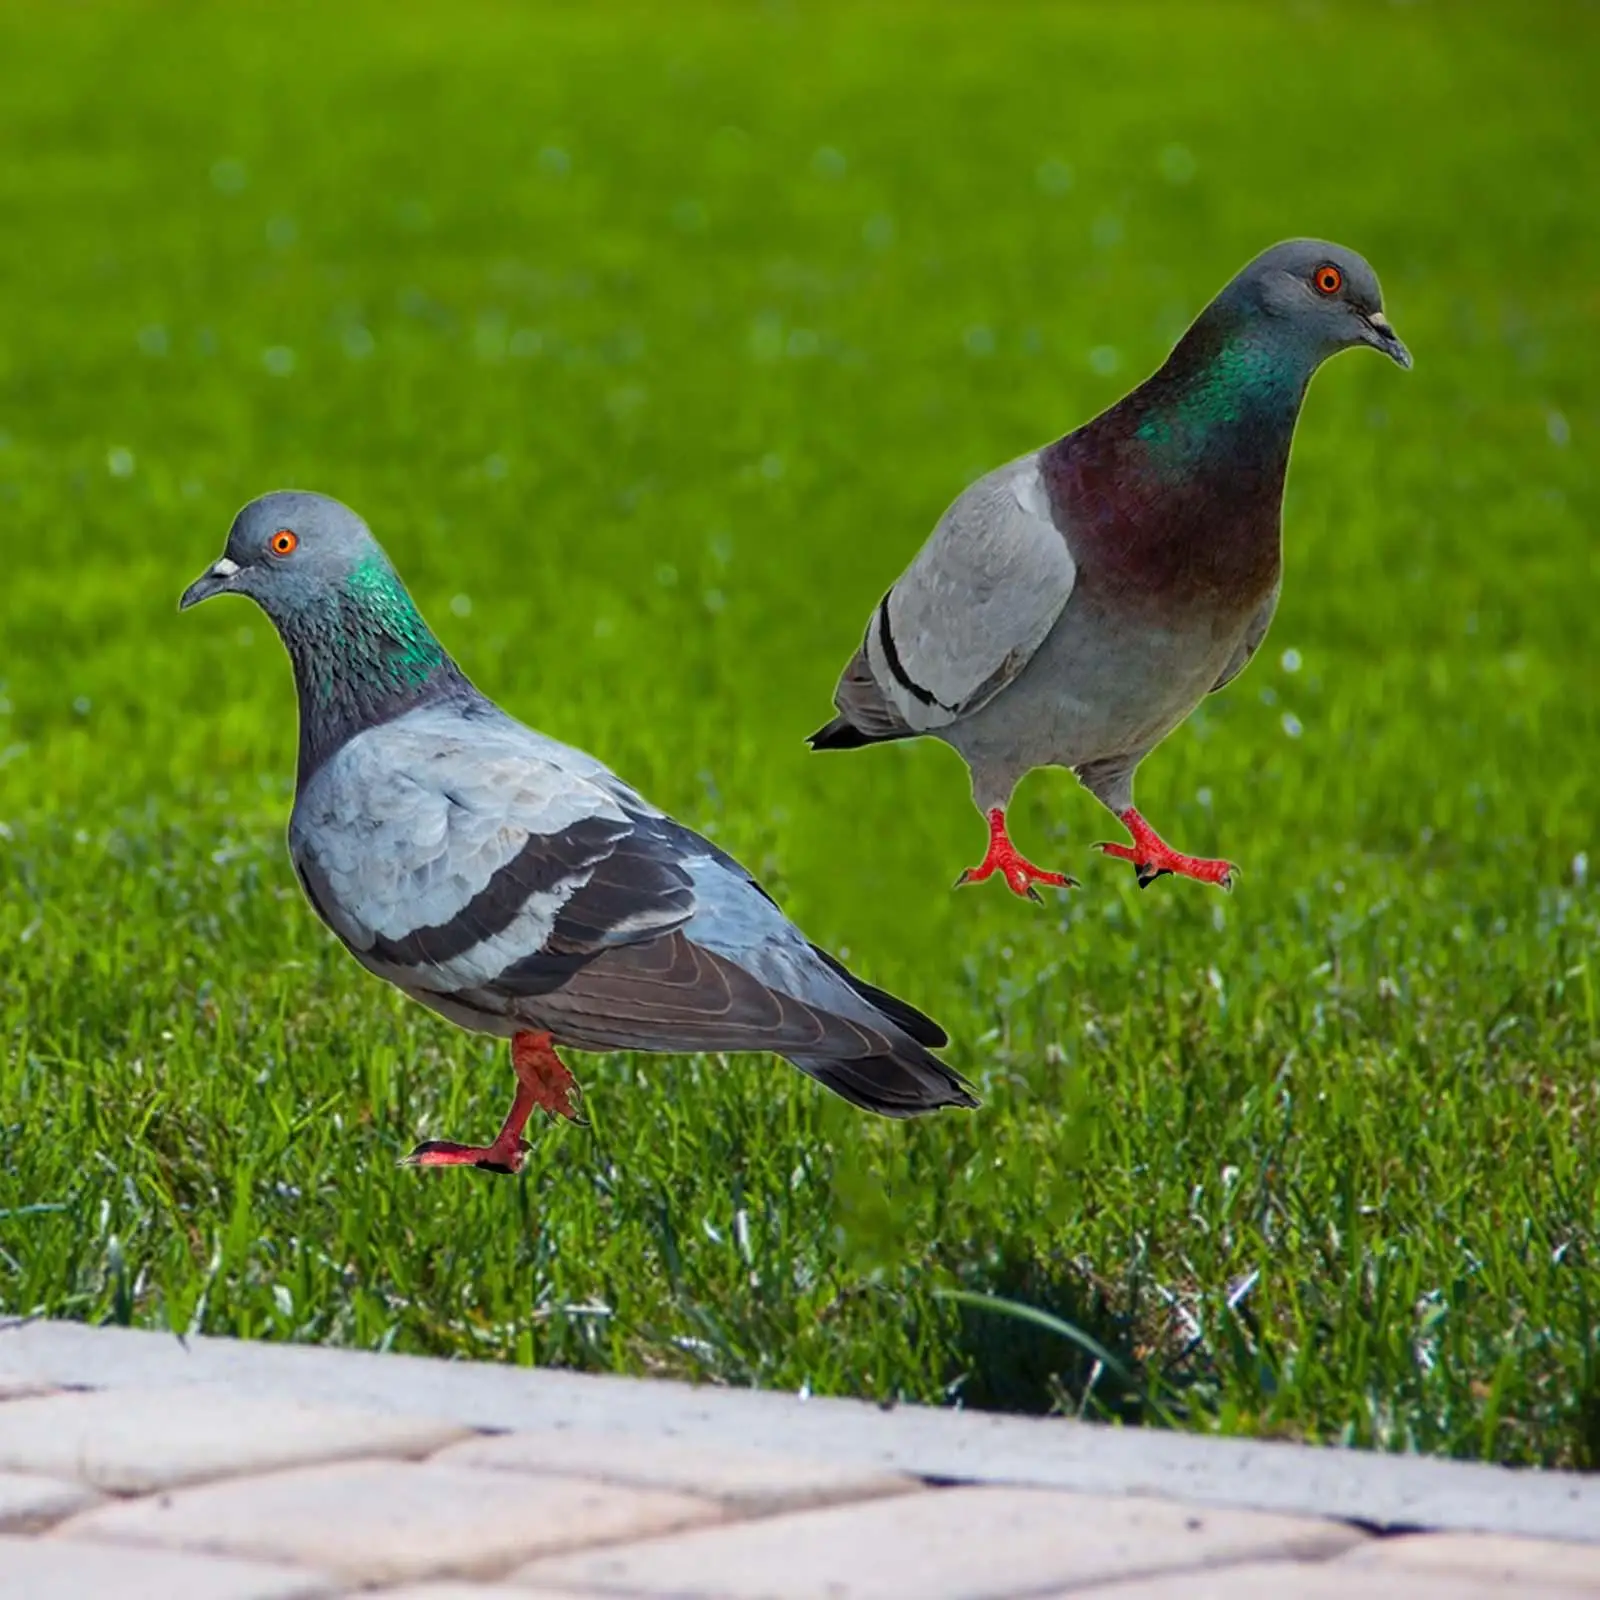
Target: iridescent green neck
(1224, 395)
(362, 655)
(407, 653)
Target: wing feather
(969, 612)
(472, 865)
(449, 864)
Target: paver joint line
(746, 1482)
(387, 1522)
(134, 1440)
(950, 1544)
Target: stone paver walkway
(137, 1465)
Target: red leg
(1152, 856)
(534, 1059)
(542, 1080)
(1003, 857)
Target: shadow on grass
(1044, 1339)
(1586, 1452)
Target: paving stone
(751, 1482)
(1487, 1555)
(1377, 1490)
(28, 1503)
(134, 1441)
(473, 1591)
(56, 1569)
(947, 1544)
(391, 1522)
(1298, 1580)
(14, 1387)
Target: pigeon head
(1315, 296)
(361, 652)
(1223, 406)
(287, 551)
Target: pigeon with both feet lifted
(1072, 608)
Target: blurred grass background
(652, 341)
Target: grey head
(1318, 295)
(361, 652)
(286, 551)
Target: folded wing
(450, 857)
(474, 868)
(967, 615)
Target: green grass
(652, 342)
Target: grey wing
(1251, 642)
(471, 867)
(452, 860)
(740, 976)
(968, 613)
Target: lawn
(652, 341)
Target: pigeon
(515, 885)
(1073, 607)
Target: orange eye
(283, 542)
(1329, 280)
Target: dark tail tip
(840, 734)
(908, 1083)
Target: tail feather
(901, 1013)
(866, 714)
(901, 1083)
(843, 734)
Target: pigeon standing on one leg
(514, 884)
(1072, 608)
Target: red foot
(546, 1075)
(1003, 857)
(543, 1081)
(1153, 857)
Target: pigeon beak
(1383, 337)
(216, 579)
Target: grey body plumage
(514, 884)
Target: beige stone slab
(1488, 1555)
(392, 1522)
(1299, 1580)
(946, 1544)
(15, 1387)
(28, 1503)
(473, 1591)
(751, 1482)
(56, 1569)
(134, 1441)
(1373, 1488)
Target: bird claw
(563, 1100)
(545, 1078)
(1020, 874)
(502, 1158)
(1152, 859)
(1021, 878)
